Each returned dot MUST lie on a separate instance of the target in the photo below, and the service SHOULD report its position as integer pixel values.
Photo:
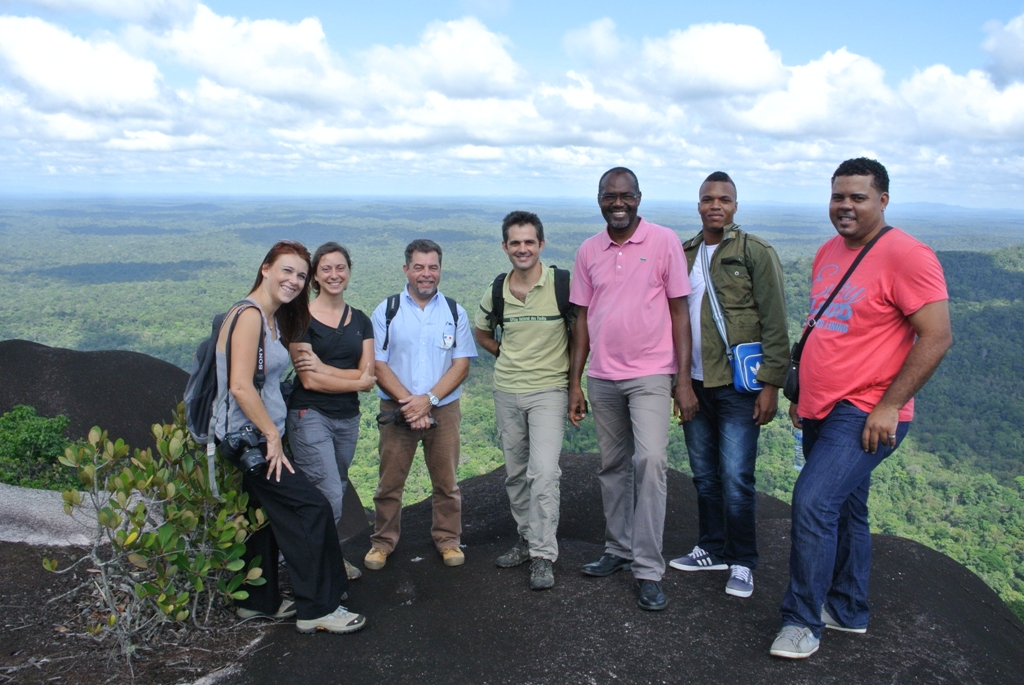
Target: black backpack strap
(453, 306)
(496, 317)
(390, 309)
(565, 307)
(259, 378)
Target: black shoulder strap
(389, 315)
(562, 291)
(344, 315)
(496, 317)
(260, 377)
(453, 306)
(798, 349)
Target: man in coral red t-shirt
(876, 344)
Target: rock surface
(933, 620)
(124, 393)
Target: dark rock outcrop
(124, 393)
(933, 620)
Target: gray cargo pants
(530, 428)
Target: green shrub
(166, 550)
(29, 448)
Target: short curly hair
(862, 166)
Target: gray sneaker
(698, 560)
(833, 624)
(341, 620)
(794, 642)
(741, 581)
(542, 574)
(519, 554)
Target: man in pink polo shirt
(630, 284)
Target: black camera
(244, 447)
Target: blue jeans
(830, 553)
(722, 443)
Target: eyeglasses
(610, 198)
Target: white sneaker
(794, 642)
(341, 620)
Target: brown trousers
(397, 447)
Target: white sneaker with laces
(794, 642)
(341, 620)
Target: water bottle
(798, 449)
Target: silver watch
(433, 399)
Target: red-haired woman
(250, 413)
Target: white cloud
(841, 95)
(1005, 46)
(968, 107)
(596, 42)
(459, 58)
(713, 59)
(133, 10)
(266, 57)
(159, 142)
(62, 70)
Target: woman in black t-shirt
(334, 363)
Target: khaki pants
(397, 448)
(530, 427)
(632, 418)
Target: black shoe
(519, 554)
(542, 574)
(606, 565)
(651, 597)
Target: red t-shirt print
(864, 336)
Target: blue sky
(499, 97)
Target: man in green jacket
(722, 438)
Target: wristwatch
(433, 399)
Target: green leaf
(241, 594)
(236, 565)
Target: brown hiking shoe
(375, 558)
(453, 556)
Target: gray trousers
(323, 448)
(632, 419)
(530, 428)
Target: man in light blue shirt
(422, 346)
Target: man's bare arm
(577, 360)
(485, 339)
(685, 401)
(934, 337)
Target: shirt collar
(642, 229)
(405, 293)
(506, 287)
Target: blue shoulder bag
(745, 358)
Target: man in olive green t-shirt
(531, 378)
